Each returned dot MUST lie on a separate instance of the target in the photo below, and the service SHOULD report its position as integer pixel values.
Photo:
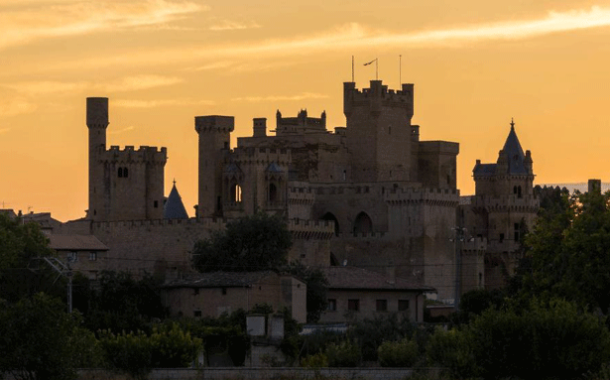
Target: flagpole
(376, 68)
(352, 69)
(400, 70)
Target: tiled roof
(76, 243)
(357, 278)
(219, 279)
(485, 169)
(174, 208)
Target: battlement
(362, 235)
(144, 154)
(214, 123)
(513, 202)
(300, 124)
(439, 147)
(307, 229)
(376, 96)
(448, 197)
(301, 194)
(261, 155)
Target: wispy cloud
(123, 130)
(4, 130)
(67, 18)
(279, 98)
(127, 103)
(233, 25)
(16, 106)
(132, 83)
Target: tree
(121, 302)
(568, 253)
(40, 340)
(19, 244)
(251, 243)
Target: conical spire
(174, 208)
(513, 152)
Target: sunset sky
(475, 64)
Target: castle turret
(379, 131)
(259, 127)
(214, 141)
(97, 122)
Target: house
(212, 294)
(357, 293)
(83, 253)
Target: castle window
(197, 313)
(273, 193)
(120, 172)
(235, 193)
(519, 192)
(224, 291)
(226, 145)
(517, 232)
(125, 173)
(344, 174)
(382, 305)
(156, 204)
(363, 224)
(501, 238)
(390, 130)
(480, 279)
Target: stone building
(496, 217)
(370, 194)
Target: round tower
(214, 142)
(97, 122)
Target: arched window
(273, 193)
(235, 193)
(120, 172)
(519, 192)
(125, 172)
(363, 224)
(330, 216)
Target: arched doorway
(331, 216)
(363, 224)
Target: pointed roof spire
(514, 152)
(174, 208)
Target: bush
(552, 340)
(371, 333)
(344, 354)
(403, 353)
(319, 360)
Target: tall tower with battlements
(379, 131)
(214, 143)
(123, 184)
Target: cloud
(132, 83)
(279, 98)
(233, 25)
(66, 18)
(127, 103)
(16, 106)
(347, 39)
(127, 129)
(4, 130)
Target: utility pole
(63, 270)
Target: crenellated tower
(214, 144)
(123, 184)
(379, 131)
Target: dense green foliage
(120, 302)
(21, 273)
(548, 340)
(403, 353)
(251, 243)
(136, 353)
(35, 339)
(344, 354)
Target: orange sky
(475, 64)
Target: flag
(368, 63)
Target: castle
(370, 194)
